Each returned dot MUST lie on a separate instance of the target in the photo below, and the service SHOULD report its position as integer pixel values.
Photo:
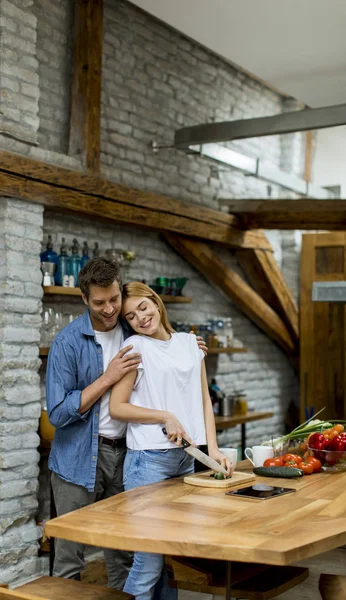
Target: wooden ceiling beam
(81, 193)
(264, 275)
(85, 115)
(207, 262)
(304, 213)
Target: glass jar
(240, 403)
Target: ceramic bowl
(47, 430)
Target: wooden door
(322, 328)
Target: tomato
(315, 462)
(317, 441)
(274, 462)
(292, 458)
(307, 467)
(291, 463)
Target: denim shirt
(75, 361)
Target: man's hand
(175, 430)
(121, 364)
(201, 344)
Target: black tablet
(260, 491)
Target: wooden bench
(332, 587)
(54, 588)
(249, 581)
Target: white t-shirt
(169, 378)
(110, 342)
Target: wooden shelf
(176, 299)
(61, 290)
(228, 350)
(75, 291)
(251, 415)
(43, 351)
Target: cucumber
(285, 472)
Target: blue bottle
(49, 255)
(85, 255)
(74, 262)
(63, 267)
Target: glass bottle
(63, 268)
(85, 254)
(96, 250)
(220, 332)
(229, 331)
(74, 262)
(49, 255)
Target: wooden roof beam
(207, 262)
(85, 115)
(62, 189)
(304, 213)
(262, 271)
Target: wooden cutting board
(204, 480)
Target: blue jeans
(142, 467)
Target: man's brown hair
(99, 271)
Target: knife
(201, 456)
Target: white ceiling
(298, 46)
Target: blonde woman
(169, 389)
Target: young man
(89, 447)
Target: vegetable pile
(294, 461)
(326, 440)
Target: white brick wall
(19, 80)
(20, 408)
(54, 54)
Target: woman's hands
(175, 431)
(221, 458)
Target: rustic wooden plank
(53, 187)
(181, 520)
(264, 274)
(322, 327)
(56, 588)
(290, 214)
(85, 116)
(332, 587)
(105, 189)
(205, 260)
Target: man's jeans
(69, 556)
(141, 468)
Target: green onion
(306, 428)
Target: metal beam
(302, 120)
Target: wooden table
(252, 415)
(174, 518)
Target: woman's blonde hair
(136, 288)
